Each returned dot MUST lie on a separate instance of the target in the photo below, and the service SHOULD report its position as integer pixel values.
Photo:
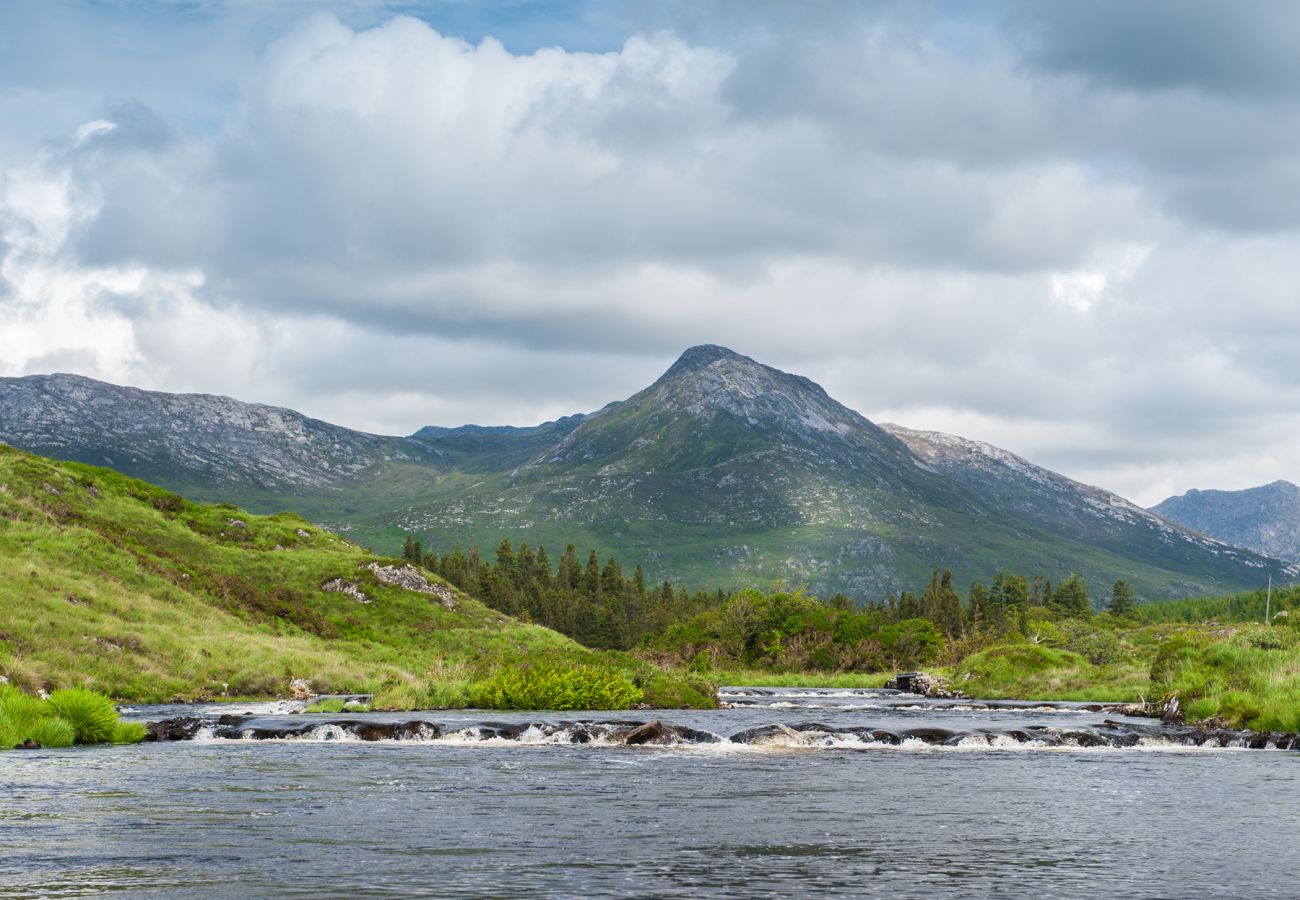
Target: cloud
(980, 221)
(1251, 47)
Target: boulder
(644, 734)
(181, 728)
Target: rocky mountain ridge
(216, 439)
(1264, 518)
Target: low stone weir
(655, 733)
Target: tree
(1071, 600)
(1121, 599)
(1012, 592)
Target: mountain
(217, 442)
(1064, 507)
(1265, 518)
(723, 473)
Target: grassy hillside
(114, 584)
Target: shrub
(557, 686)
(91, 714)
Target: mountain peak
(701, 357)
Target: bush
(91, 714)
(1099, 647)
(557, 686)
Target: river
(491, 804)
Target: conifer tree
(1121, 599)
(1071, 599)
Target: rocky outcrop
(347, 588)
(409, 577)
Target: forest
(783, 629)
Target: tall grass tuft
(53, 731)
(558, 686)
(91, 714)
(128, 733)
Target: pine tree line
(600, 606)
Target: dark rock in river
(763, 733)
(931, 735)
(182, 728)
(644, 734)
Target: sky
(1070, 230)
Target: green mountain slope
(118, 585)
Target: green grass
(1035, 672)
(336, 705)
(557, 686)
(92, 715)
(114, 585)
(1249, 678)
(762, 678)
(68, 717)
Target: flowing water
(853, 792)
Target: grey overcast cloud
(1071, 230)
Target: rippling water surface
(470, 817)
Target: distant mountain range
(1265, 518)
(724, 472)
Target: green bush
(557, 686)
(91, 714)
